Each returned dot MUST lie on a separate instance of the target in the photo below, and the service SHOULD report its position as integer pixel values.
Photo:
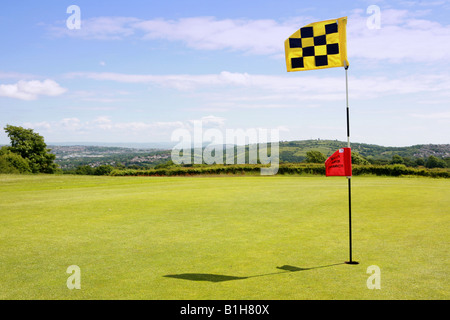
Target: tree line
(28, 153)
(430, 162)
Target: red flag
(339, 163)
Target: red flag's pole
(349, 177)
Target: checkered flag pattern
(316, 46)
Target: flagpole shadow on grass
(221, 278)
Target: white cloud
(205, 33)
(433, 116)
(16, 75)
(31, 90)
(177, 81)
(107, 129)
(423, 3)
(38, 125)
(103, 123)
(103, 128)
(276, 89)
(405, 35)
(103, 96)
(98, 28)
(263, 36)
(71, 124)
(210, 121)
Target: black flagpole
(349, 178)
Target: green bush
(284, 168)
(84, 170)
(314, 156)
(13, 163)
(359, 159)
(103, 170)
(434, 162)
(31, 146)
(396, 159)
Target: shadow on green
(220, 278)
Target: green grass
(222, 237)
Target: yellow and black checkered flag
(318, 45)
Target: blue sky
(136, 71)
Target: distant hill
(295, 151)
(71, 156)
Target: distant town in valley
(69, 157)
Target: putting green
(252, 237)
